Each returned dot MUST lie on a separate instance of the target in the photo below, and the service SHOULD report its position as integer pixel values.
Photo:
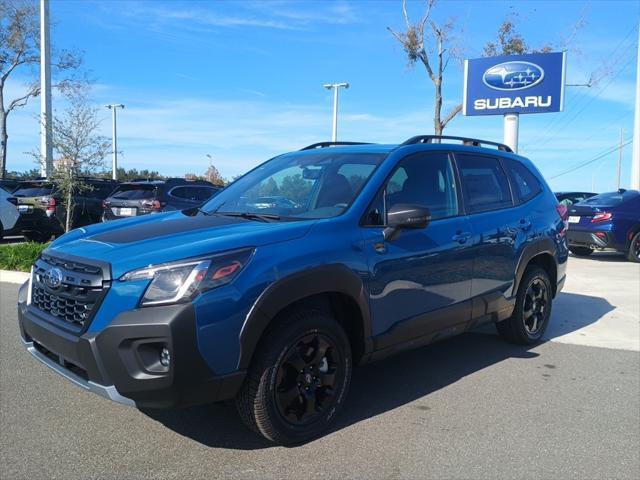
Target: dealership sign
(531, 83)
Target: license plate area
(125, 211)
(25, 208)
(574, 219)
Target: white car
(8, 212)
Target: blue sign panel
(532, 83)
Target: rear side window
(524, 182)
(134, 192)
(484, 183)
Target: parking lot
(469, 407)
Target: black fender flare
(539, 247)
(335, 278)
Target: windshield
(302, 185)
(134, 192)
(610, 199)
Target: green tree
(295, 188)
(510, 42)
(79, 150)
(430, 44)
(268, 188)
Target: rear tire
(298, 379)
(530, 318)
(633, 255)
(581, 251)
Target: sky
(241, 81)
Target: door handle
(380, 248)
(461, 237)
(524, 224)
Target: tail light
(152, 204)
(51, 205)
(563, 211)
(601, 217)
(105, 205)
(13, 200)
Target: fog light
(165, 357)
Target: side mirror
(402, 216)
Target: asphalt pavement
(469, 407)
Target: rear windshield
(610, 199)
(33, 190)
(134, 192)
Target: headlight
(180, 281)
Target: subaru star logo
(53, 278)
(513, 76)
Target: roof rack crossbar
(313, 146)
(473, 142)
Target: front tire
(298, 379)
(581, 251)
(633, 255)
(530, 318)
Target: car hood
(157, 238)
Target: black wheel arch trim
(326, 279)
(540, 247)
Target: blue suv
(381, 248)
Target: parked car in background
(391, 247)
(569, 198)
(273, 203)
(606, 221)
(43, 212)
(132, 199)
(9, 214)
(9, 185)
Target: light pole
(114, 167)
(46, 146)
(335, 87)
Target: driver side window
(423, 179)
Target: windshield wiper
(265, 217)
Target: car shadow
(606, 256)
(375, 389)
(383, 386)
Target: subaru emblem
(513, 76)
(53, 278)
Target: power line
(594, 159)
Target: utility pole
(620, 158)
(335, 87)
(46, 146)
(635, 159)
(114, 167)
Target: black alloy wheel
(535, 303)
(532, 310)
(306, 379)
(634, 248)
(298, 379)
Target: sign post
(514, 84)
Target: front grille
(74, 307)
(75, 295)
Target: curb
(9, 276)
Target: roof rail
(313, 146)
(472, 142)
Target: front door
(419, 283)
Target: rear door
(498, 228)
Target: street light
(335, 87)
(114, 168)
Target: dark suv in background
(43, 212)
(136, 198)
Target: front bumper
(121, 362)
